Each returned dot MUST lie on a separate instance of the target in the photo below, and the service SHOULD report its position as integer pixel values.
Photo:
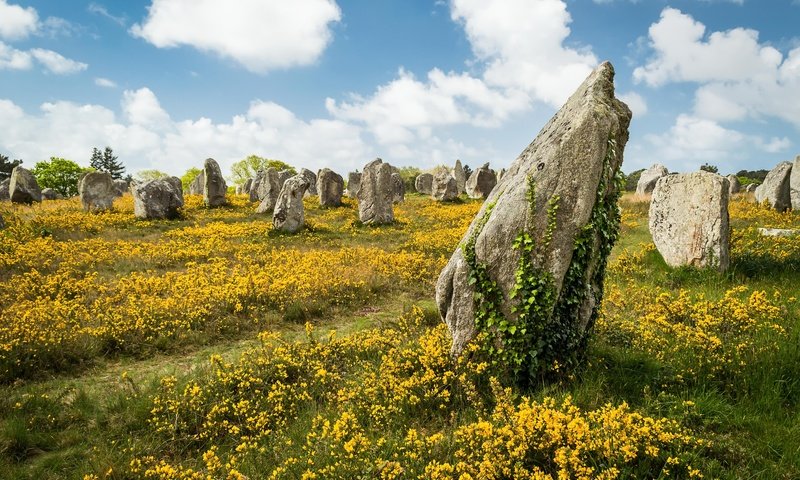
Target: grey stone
(501, 174)
(246, 186)
(481, 182)
(4, 195)
(750, 188)
(375, 193)
(214, 187)
(648, 179)
(256, 184)
(51, 194)
(198, 184)
(121, 186)
(353, 184)
(689, 220)
(330, 186)
(289, 213)
(398, 188)
(775, 190)
(736, 186)
(97, 192)
(778, 232)
(424, 183)
(572, 162)
(284, 175)
(157, 199)
(311, 178)
(444, 187)
(794, 184)
(267, 190)
(23, 187)
(460, 176)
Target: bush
(60, 174)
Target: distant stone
(775, 190)
(460, 176)
(750, 188)
(648, 179)
(289, 213)
(4, 195)
(330, 187)
(311, 178)
(197, 185)
(353, 184)
(794, 184)
(51, 194)
(157, 199)
(736, 186)
(267, 190)
(256, 184)
(778, 232)
(214, 187)
(481, 182)
(246, 186)
(398, 188)
(424, 183)
(23, 187)
(121, 186)
(444, 187)
(97, 192)
(689, 220)
(375, 194)
(284, 175)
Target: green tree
(189, 177)
(151, 174)
(409, 174)
(106, 161)
(6, 166)
(247, 168)
(709, 168)
(59, 174)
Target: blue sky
(336, 83)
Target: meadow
(212, 347)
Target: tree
(409, 175)
(467, 171)
(189, 177)
(247, 168)
(106, 161)
(7, 166)
(709, 168)
(60, 174)
(632, 180)
(152, 174)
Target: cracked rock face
(267, 187)
(689, 220)
(289, 213)
(481, 182)
(776, 189)
(376, 193)
(648, 179)
(570, 159)
(444, 187)
(311, 178)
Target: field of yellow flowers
(213, 348)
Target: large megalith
(330, 187)
(311, 178)
(353, 184)
(268, 187)
(198, 184)
(284, 175)
(689, 220)
(775, 190)
(375, 193)
(157, 199)
(735, 184)
(444, 187)
(424, 183)
(289, 213)
(398, 188)
(214, 187)
(533, 259)
(481, 182)
(461, 177)
(794, 184)
(23, 187)
(97, 192)
(648, 179)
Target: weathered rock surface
(572, 163)
(4, 195)
(775, 189)
(424, 183)
(330, 187)
(751, 188)
(648, 179)
(51, 194)
(284, 175)
(501, 174)
(794, 184)
(97, 192)
(481, 182)
(375, 193)
(121, 186)
(444, 187)
(353, 184)
(198, 184)
(311, 178)
(289, 213)
(246, 186)
(256, 184)
(689, 220)
(460, 176)
(157, 199)
(267, 190)
(735, 185)
(398, 188)
(23, 187)
(214, 187)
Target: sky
(336, 83)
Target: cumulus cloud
(57, 63)
(635, 102)
(13, 59)
(261, 35)
(105, 82)
(17, 22)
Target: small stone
(197, 185)
(776, 189)
(778, 232)
(736, 186)
(51, 194)
(648, 179)
(424, 183)
(353, 184)
(398, 188)
(23, 187)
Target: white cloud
(635, 102)
(17, 22)
(104, 82)
(56, 62)
(261, 35)
(98, 9)
(13, 59)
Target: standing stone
(776, 190)
(424, 183)
(444, 187)
(735, 185)
(398, 188)
(481, 182)
(121, 186)
(51, 194)
(648, 179)
(284, 175)
(751, 188)
(794, 184)
(197, 185)
(289, 213)
(4, 195)
(256, 184)
(246, 186)
(353, 184)
(97, 192)
(157, 199)
(311, 178)
(23, 187)
(572, 163)
(461, 177)
(214, 186)
(375, 193)
(267, 190)
(330, 186)
(689, 220)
